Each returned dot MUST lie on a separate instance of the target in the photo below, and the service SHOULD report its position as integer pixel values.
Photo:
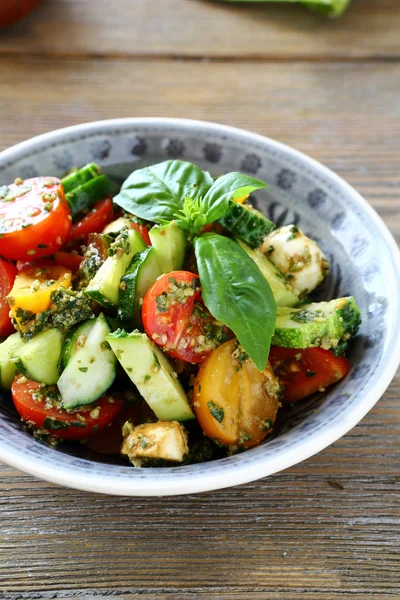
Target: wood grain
(345, 115)
(291, 536)
(205, 28)
(327, 529)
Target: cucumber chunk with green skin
(247, 223)
(74, 340)
(88, 194)
(80, 176)
(104, 287)
(9, 348)
(91, 367)
(169, 242)
(282, 291)
(39, 359)
(117, 225)
(320, 324)
(152, 374)
(141, 274)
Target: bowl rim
(216, 479)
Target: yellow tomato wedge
(32, 290)
(234, 402)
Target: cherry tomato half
(234, 402)
(168, 305)
(8, 273)
(94, 222)
(304, 372)
(42, 410)
(35, 220)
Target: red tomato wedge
(168, 305)
(35, 219)
(109, 441)
(304, 372)
(175, 318)
(44, 412)
(8, 273)
(142, 231)
(94, 222)
(68, 260)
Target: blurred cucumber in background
(332, 8)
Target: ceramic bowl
(364, 263)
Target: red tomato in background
(36, 412)
(97, 218)
(304, 372)
(12, 10)
(35, 220)
(8, 273)
(68, 260)
(142, 231)
(110, 439)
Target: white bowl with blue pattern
(364, 263)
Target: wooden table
(329, 527)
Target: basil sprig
(178, 190)
(236, 293)
(156, 193)
(233, 288)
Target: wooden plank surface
(205, 28)
(327, 529)
(345, 115)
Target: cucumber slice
(88, 194)
(91, 366)
(75, 339)
(247, 223)
(104, 287)
(80, 176)
(153, 375)
(11, 346)
(319, 324)
(141, 274)
(283, 293)
(39, 359)
(117, 225)
(169, 242)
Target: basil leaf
(236, 293)
(225, 188)
(157, 192)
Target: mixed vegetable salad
(169, 323)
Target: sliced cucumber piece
(117, 225)
(319, 324)
(153, 375)
(104, 287)
(39, 359)
(169, 242)
(283, 293)
(74, 340)
(91, 366)
(11, 346)
(247, 223)
(80, 176)
(88, 194)
(141, 274)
